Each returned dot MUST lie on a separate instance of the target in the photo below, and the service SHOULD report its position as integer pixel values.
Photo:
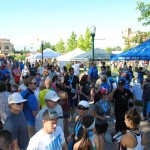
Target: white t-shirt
(22, 87)
(76, 69)
(38, 119)
(40, 70)
(25, 72)
(44, 141)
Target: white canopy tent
(47, 53)
(31, 58)
(63, 60)
(68, 56)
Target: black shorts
(101, 128)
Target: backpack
(27, 94)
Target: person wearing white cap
(51, 99)
(51, 136)
(83, 108)
(16, 122)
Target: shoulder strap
(27, 94)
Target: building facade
(6, 46)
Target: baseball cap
(50, 114)
(84, 104)
(51, 95)
(15, 98)
(102, 91)
(121, 82)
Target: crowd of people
(38, 101)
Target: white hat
(51, 95)
(84, 104)
(15, 98)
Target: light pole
(93, 30)
(42, 46)
(14, 51)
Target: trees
(71, 42)
(60, 46)
(145, 13)
(80, 42)
(88, 40)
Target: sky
(27, 22)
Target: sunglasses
(82, 108)
(18, 104)
(33, 83)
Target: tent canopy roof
(99, 54)
(68, 56)
(140, 52)
(48, 53)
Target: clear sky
(25, 21)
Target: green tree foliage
(139, 37)
(88, 39)
(80, 42)
(127, 43)
(21, 57)
(109, 49)
(72, 42)
(135, 38)
(145, 13)
(60, 46)
(47, 45)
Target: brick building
(6, 46)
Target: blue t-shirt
(93, 72)
(140, 76)
(29, 106)
(105, 85)
(130, 73)
(7, 72)
(111, 81)
(21, 66)
(127, 84)
(2, 74)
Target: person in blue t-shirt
(140, 75)
(7, 74)
(104, 83)
(21, 66)
(30, 107)
(110, 79)
(130, 73)
(124, 77)
(93, 72)
(2, 74)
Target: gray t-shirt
(101, 109)
(17, 125)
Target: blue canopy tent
(140, 52)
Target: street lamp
(14, 51)
(93, 30)
(42, 46)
